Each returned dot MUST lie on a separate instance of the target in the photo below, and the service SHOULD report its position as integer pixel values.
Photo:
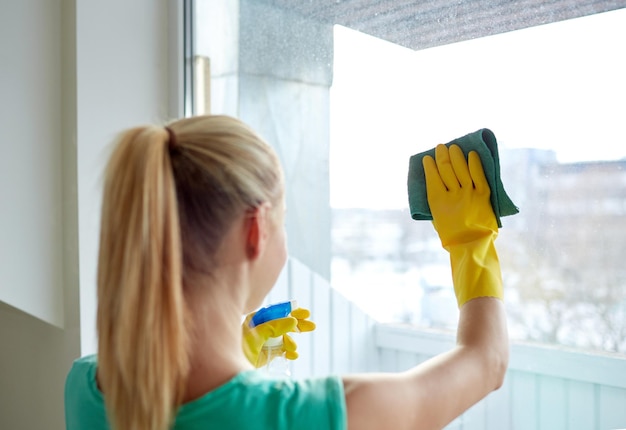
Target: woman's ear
(257, 224)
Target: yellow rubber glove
(458, 196)
(254, 338)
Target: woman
(192, 239)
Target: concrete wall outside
(273, 69)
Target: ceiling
(424, 24)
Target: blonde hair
(167, 203)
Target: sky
(559, 86)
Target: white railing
(546, 387)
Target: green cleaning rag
(482, 141)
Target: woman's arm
(435, 392)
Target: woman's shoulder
(82, 369)
(84, 404)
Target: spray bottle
(276, 364)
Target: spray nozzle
(272, 312)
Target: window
(554, 97)
(552, 93)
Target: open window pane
(554, 97)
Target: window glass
(554, 97)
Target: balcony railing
(546, 387)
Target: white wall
(30, 165)
(36, 340)
(121, 81)
(72, 75)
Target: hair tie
(171, 142)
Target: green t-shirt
(251, 400)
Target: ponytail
(141, 321)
